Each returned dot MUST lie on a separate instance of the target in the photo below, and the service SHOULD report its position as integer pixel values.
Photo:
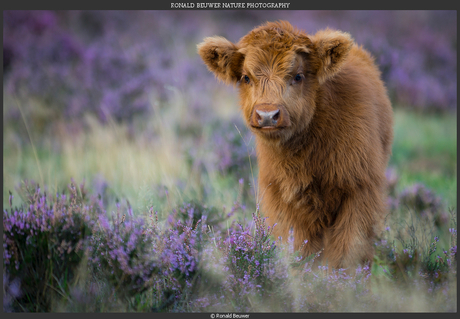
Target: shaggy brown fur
(323, 126)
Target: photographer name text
(230, 5)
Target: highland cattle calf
(323, 125)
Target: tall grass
(138, 164)
(133, 166)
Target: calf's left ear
(332, 48)
(223, 58)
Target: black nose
(267, 118)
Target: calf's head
(279, 71)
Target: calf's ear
(223, 58)
(332, 48)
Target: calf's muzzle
(269, 116)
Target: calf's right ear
(223, 58)
(332, 49)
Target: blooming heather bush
(251, 249)
(247, 272)
(412, 252)
(416, 198)
(408, 252)
(135, 256)
(424, 201)
(196, 212)
(249, 253)
(234, 267)
(120, 252)
(43, 244)
(197, 260)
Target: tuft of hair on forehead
(278, 35)
(269, 63)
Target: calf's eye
(298, 77)
(246, 79)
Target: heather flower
(44, 226)
(119, 250)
